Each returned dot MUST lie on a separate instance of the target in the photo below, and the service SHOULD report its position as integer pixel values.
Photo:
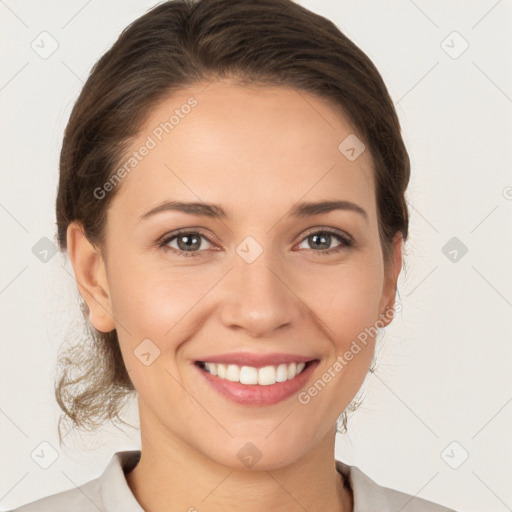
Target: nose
(258, 298)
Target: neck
(171, 475)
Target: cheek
(155, 304)
(151, 300)
(346, 299)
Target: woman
(231, 198)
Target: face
(260, 278)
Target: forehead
(246, 148)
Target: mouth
(257, 386)
(250, 375)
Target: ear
(391, 273)
(91, 277)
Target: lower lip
(255, 394)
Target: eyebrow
(305, 209)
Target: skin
(256, 152)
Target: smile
(252, 386)
(248, 375)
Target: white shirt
(110, 493)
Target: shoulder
(85, 498)
(108, 492)
(369, 496)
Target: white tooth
(282, 373)
(248, 375)
(233, 373)
(267, 375)
(221, 371)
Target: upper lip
(256, 360)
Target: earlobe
(90, 274)
(387, 305)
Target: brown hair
(180, 43)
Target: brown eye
(185, 242)
(322, 240)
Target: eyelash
(346, 242)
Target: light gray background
(445, 363)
